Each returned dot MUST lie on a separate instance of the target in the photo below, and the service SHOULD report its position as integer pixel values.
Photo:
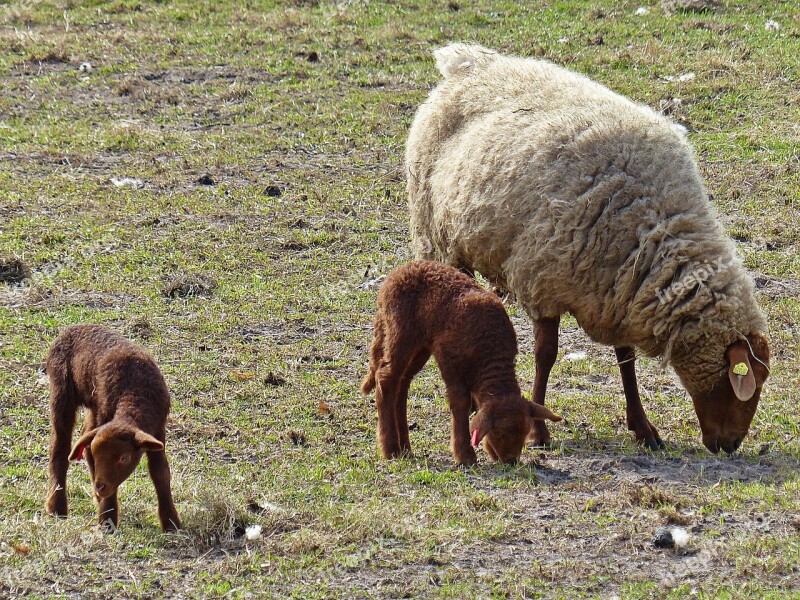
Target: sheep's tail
(457, 60)
(375, 357)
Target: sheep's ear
(539, 412)
(145, 441)
(480, 426)
(80, 445)
(740, 372)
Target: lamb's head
(504, 424)
(114, 452)
(726, 407)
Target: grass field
(264, 146)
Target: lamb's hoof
(539, 435)
(107, 526)
(56, 508)
(466, 460)
(541, 443)
(391, 453)
(397, 454)
(171, 526)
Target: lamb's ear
(480, 426)
(540, 413)
(80, 445)
(740, 371)
(145, 441)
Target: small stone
(13, 270)
(273, 191)
(663, 538)
(274, 380)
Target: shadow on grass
(678, 464)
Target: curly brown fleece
(427, 308)
(126, 402)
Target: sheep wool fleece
(578, 201)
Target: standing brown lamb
(429, 308)
(127, 403)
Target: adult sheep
(580, 201)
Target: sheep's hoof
(654, 444)
(652, 441)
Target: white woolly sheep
(581, 201)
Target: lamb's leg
(414, 367)
(107, 508)
(458, 397)
(158, 466)
(490, 451)
(108, 513)
(386, 397)
(637, 420)
(546, 352)
(62, 417)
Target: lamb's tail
(375, 357)
(457, 60)
(369, 382)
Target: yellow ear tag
(741, 369)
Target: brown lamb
(126, 401)
(427, 308)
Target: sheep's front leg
(108, 513)
(460, 402)
(62, 418)
(546, 352)
(646, 434)
(158, 466)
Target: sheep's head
(114, 452)
(725, 412)
(504, 424)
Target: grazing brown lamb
(126, 401)
(429, 308)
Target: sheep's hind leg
(646, 434)
(546, 352)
